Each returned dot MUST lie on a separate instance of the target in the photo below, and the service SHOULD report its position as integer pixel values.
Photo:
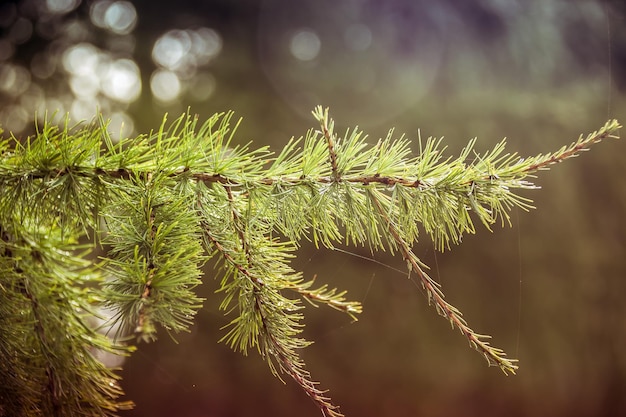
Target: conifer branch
(435, 297)
(581, 145)
(330, 297)
(266, 318)
(164, 194)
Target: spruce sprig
(159, 205)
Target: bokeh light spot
(203, 86)
(83, 109)
(85, 86)
(121, 81)
(14, 79)
(14, 118)
(206, 44)
(170, 49)
(119, 16)
(81, 59)
(165, 85)
(305, 45)
(61, 6)
(32, 97)
(183, 51)
(97, 11)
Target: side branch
(330, 297)
(607, 131)
(493, 355)
(294, 368)
(275, 335)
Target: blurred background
(550, 290)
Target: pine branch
(267, 320)
(165, 194)
(435, 296)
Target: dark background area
(550, 290)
